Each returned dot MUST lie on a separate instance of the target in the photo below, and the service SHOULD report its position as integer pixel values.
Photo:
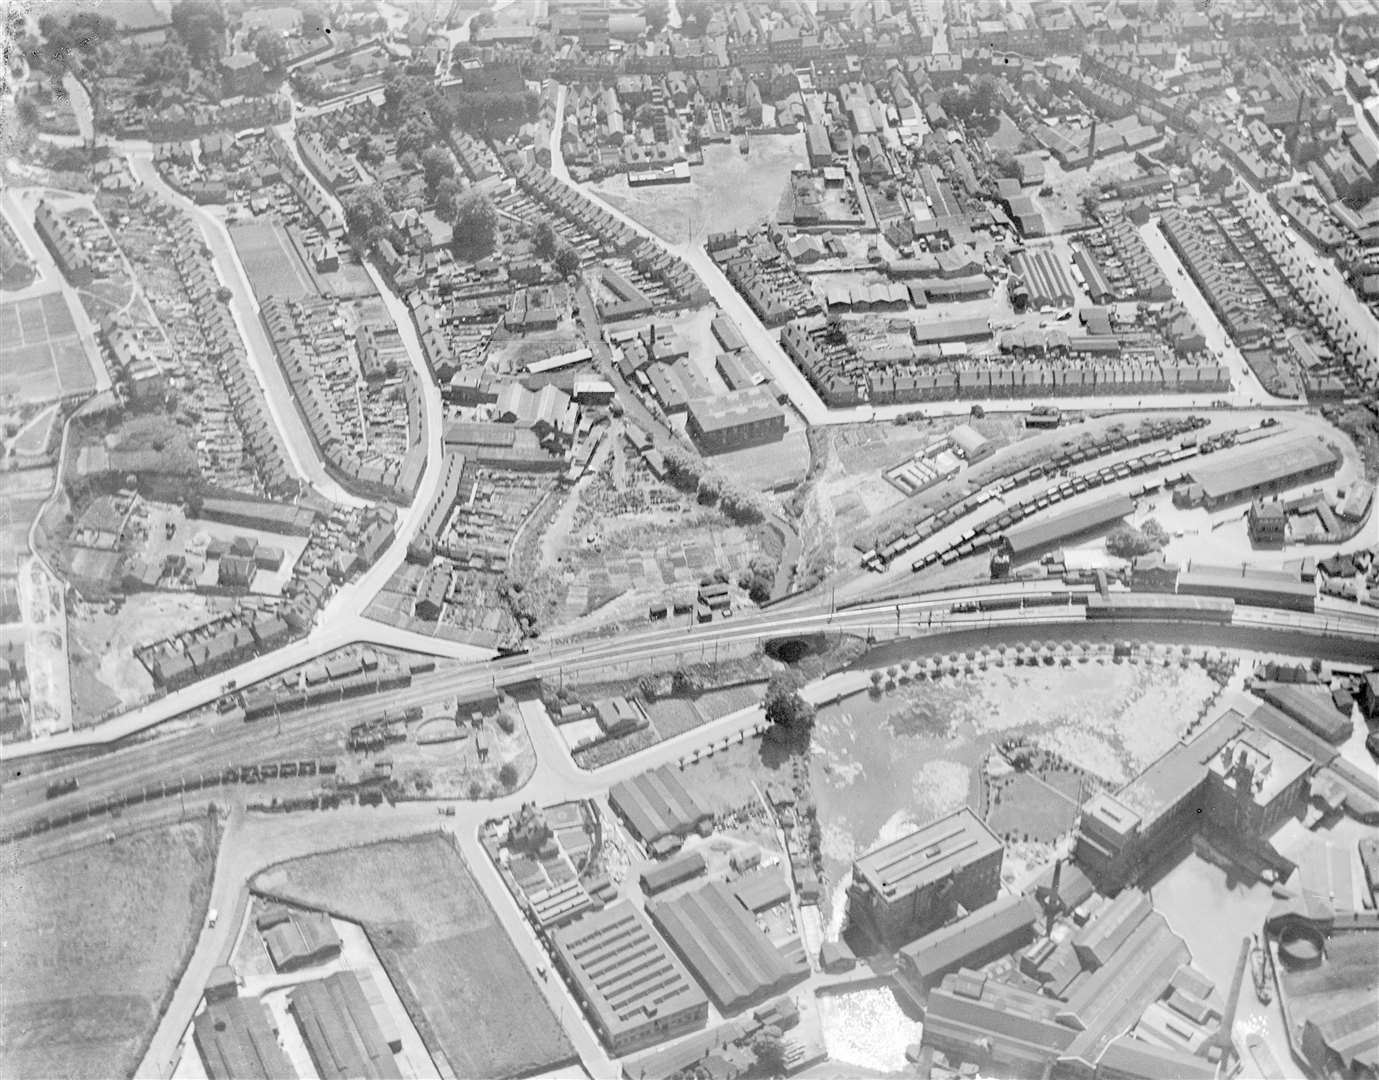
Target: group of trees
(977, 107)
(83, 32)
(200, 24)
(1127, 541)
(785, 709)
(548, 245)
(689, 473)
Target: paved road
(1248, 389)
(301, 451)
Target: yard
(95, 939)
(469, 993)
(729, 192)
(886, 763)
(440, 757)
(104, 672)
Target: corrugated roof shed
(624, 972)
(1031, 536)
(1129, 1057)
(722, 944)
(1312, 707)
(236, 1042)
(340, 1030)
(1239, 471)
(657, 804)
(1009, 920)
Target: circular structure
(1300, 946)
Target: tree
(365, 211)
(759, 578)
(1127, 542)
(784, 706)
(507, 775)
(476, 225)
(544, 239)
(567, 261)
(201, 26)
(656, 12)
(769, 1050)
(448, 191)
(270, 47)
(695, 16)
(436, 165)
(1003, 164)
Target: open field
(727, 193)
(440, 941)
(94, 941)
(41, 354)
(270, 262)
(104, 671)
(885, 764)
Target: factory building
(919, 882)
(633, 988)
(735, 420)
(1249, 472)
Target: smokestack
(1091, 143)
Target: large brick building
(917, 883)
(736, 420)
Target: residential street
(301, 451)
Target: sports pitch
(42, 356)
(270, 262)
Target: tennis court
(270, 261)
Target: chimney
(1091, 143)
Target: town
(690, 539)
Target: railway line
(199, 756)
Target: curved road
(301, 451)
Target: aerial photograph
(689, 540)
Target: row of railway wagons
(265, 702)
(233, 774)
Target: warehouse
(976, 939)
(721, 943)
(1029, 537)
(657, 805)
(913, 884)
(632, 987)
(1264, 469)
(658, 877)
(1311, 706)
(340, 1030)
(298, 939)
(972, 328)
(1048, 284)
(735, 420)
(1263, 588)
(237, 1042)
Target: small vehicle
(445, 811)
(211, 917)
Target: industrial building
(917, 883)
(1249, 472)
(237, 1041)
(720, 942)
(976, 939)
(733, 421)
(340, 1030)
(633, 988)
(1267, 588)
(656, 806)
(1233, 775)
(1030, 537)
(298, 939)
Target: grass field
(270, 262)
(728, 192)
(1033, 807)
(463, 984)
(41, 355)
(94, 940)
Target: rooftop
(926, 855)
